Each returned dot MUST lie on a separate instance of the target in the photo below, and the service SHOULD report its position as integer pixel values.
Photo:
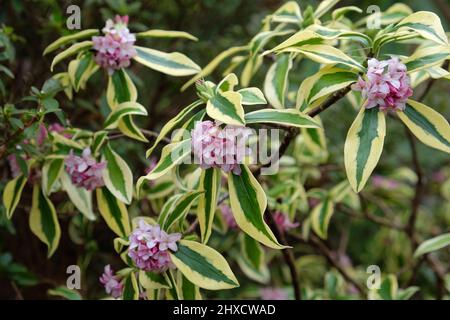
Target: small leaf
(320, 217)
(252, 96)
(72, 50)
(171, 155)
(156, 33)
(117, 175)
(433, 244)
(43, 221)
(80, 197)
(12, 194)
(66, 39)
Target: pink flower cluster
(85, 171)
(218, 147)
(115, 49)
(283, 222)
(112, 283)
(387, 85)
(149, 247)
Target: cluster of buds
(115, 49)
(387, 85)
(218, 147)
(149, 247)
(85, 171)
(111, 282)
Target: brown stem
(288, 255)
(318, 244)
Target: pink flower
(384, 183)
(42, 134)
(56, 127)
(273, 294)
(149, 247)
(283, 222)
(219, 148)
(112, 284)
(228, 216)
(116, 48)
(387, 85)
(85, 171)
(13, 165)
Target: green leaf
(51, 171)
(252, 96)
(433, 244)
(328, 55)
(248, 203)
(12, 194)
(288, 117)
(180, 208)
(188, 290)
(66, 39)
(363, 146)
(80, 197)
(388, 288)
(174, 64)
(122, 110)
(121, 89)
(72, 50)
(117, 175)
(43, 221)
(212, 65)
(210, 184)
(320, 217)
(226, 107)
(156, 33)
(171, 155)
(114, 212)
(276, 81)
(324, 7)
(427, 57)
(130, 288)
(151, 280)
(80, 70)
(203, 266)
(172, 123)
(65, 293)
(288, 13)
(426, 24)
(252, 259)
(427, 125)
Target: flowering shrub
(221, 205)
